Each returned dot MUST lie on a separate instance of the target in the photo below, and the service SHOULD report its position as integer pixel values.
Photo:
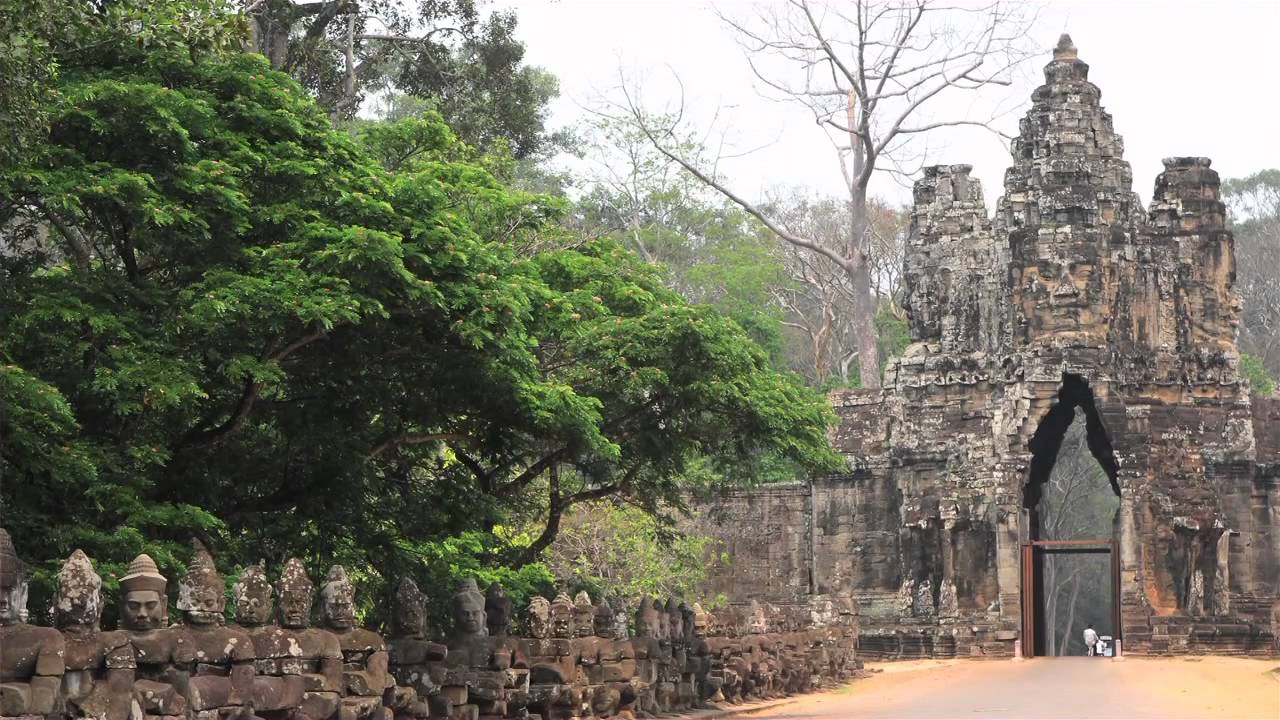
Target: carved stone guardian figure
(221, 658)
(365, 679)
(647, 650)
(476, 676)
(416, 663)
(163, 657)
(708, 688)
(31, 658)
(99, 665)
(552, 664)
(293, 647)
(274, 693)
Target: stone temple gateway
(1072, 296)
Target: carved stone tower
(1073, 298)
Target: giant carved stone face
(647, 623)
(539, 613)
(339, 600)
(13, 600)
(201, 592)
(254, 602)
(13, 583)
(206, 606)
(410, 617)
(294, 593)
(143, 605)
(562, 617)
(143, 610)
(603, 620)
(468, 609)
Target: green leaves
(224, 318)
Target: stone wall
(573, 659)
(1073, 298)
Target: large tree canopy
(222, 317)
(466, 62)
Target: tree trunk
(1071, 616)
(269, 27)
(555, 510)
(1051, 604)
(864, 305)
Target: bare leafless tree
(870, 72)
(1254, 202)
(819, 300)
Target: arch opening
(1074, 399)
(1072, 503)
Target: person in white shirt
(1091, 640)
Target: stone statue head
(410, 610)
(78, 599)
(620, 623)
(648, 622)
(13, 583)
(675, 620)
(539, 612)
(294, 595)
(687, 620)
(253, 596)
(583, 615)
(603, 620)
(562, 617)
(468, 609)
(497, 610)
(701, 621)
(338, 600)
(664, 621)
(756, 622)
(143, 605)
(202, 594)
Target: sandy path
(1157, 688)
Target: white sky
(1179, 78)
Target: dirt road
(1157, 688)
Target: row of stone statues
(575, 659)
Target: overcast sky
(1179, 78)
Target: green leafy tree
(1254, 204)
(1260, 378)
(619, 551)
(223, 318)
(198, 273)
(468, 64)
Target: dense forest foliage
(226, 317)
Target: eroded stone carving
(220, 670)
(1072, 298)
(162, 654)
(365, 677)
(98, 682)
(31, 658)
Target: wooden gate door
(1028, 576)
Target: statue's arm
(51, 663)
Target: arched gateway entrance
(1070, 561)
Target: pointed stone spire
(143, 574)
(1066, 50)
(201, 577)
(337, 577)
(12, 569)
(78, 599)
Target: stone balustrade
(575, 659)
